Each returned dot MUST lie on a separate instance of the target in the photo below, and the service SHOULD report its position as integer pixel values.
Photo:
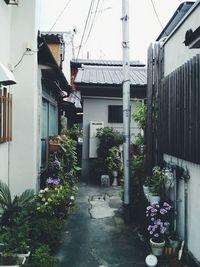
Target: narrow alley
(95, 235)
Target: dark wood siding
(180, 112)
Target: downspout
(186, 178)
(173, 170)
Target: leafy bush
(56, 200)
(108, 138)
(46, 231)
(108, 150)
(41, 258)
(140, 114)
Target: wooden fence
(180, 112)
(173, 119)
(5, 116)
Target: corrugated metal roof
(110, 75)
(101, 62)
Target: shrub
(46, 231)
(41, 258)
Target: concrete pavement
(96, 236)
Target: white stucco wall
(193, 206)
(175, 51)
(5, 15)
(96, 109)
(20, 157)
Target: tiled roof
(102, 62)
(110, 75)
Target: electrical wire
(95, 13)
(86, 23)
(90, 16)
(63, 10)
(154, 8)
(17, 64)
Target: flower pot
(154, 199)
(22, 261)
(174, 243)
(157, 248)
(146, 191)
(53, 148)
(115, 179)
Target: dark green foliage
(137, 171)
(46, 231)
(8, 258)
(16, 238)
(109, 141)
(140, 114)
(108, 137)
(41, 258)
(11, 207)
(14, 232)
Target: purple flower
(53, 181)
(163, 211)
(158, 215)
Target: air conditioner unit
(93, 140)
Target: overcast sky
(105, 39)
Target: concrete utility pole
(126, 105)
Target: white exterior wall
(19, 158)
(5, 16)
(175, 51)
(193, 206)
(68, 55)
(96, 109)
(176, 54)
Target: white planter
(115, 178)
(146, 191)
(157, 248)
(23, 260)
(23, 255)
(154, 199)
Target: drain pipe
(186, 178)
(173, 169)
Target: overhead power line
(154, 8)
(59, 16)
(91, 26)
(85, 27)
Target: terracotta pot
(157, 248)
(53, 148)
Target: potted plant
(174, 239)
(156, 185)
(158, 226)
(54, 145)
(146, 187)
(8, 259)
(14, 232)
(113, 163)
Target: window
(5, 116)
(115, 114)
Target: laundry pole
(126, 102)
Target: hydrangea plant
(158, 215)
